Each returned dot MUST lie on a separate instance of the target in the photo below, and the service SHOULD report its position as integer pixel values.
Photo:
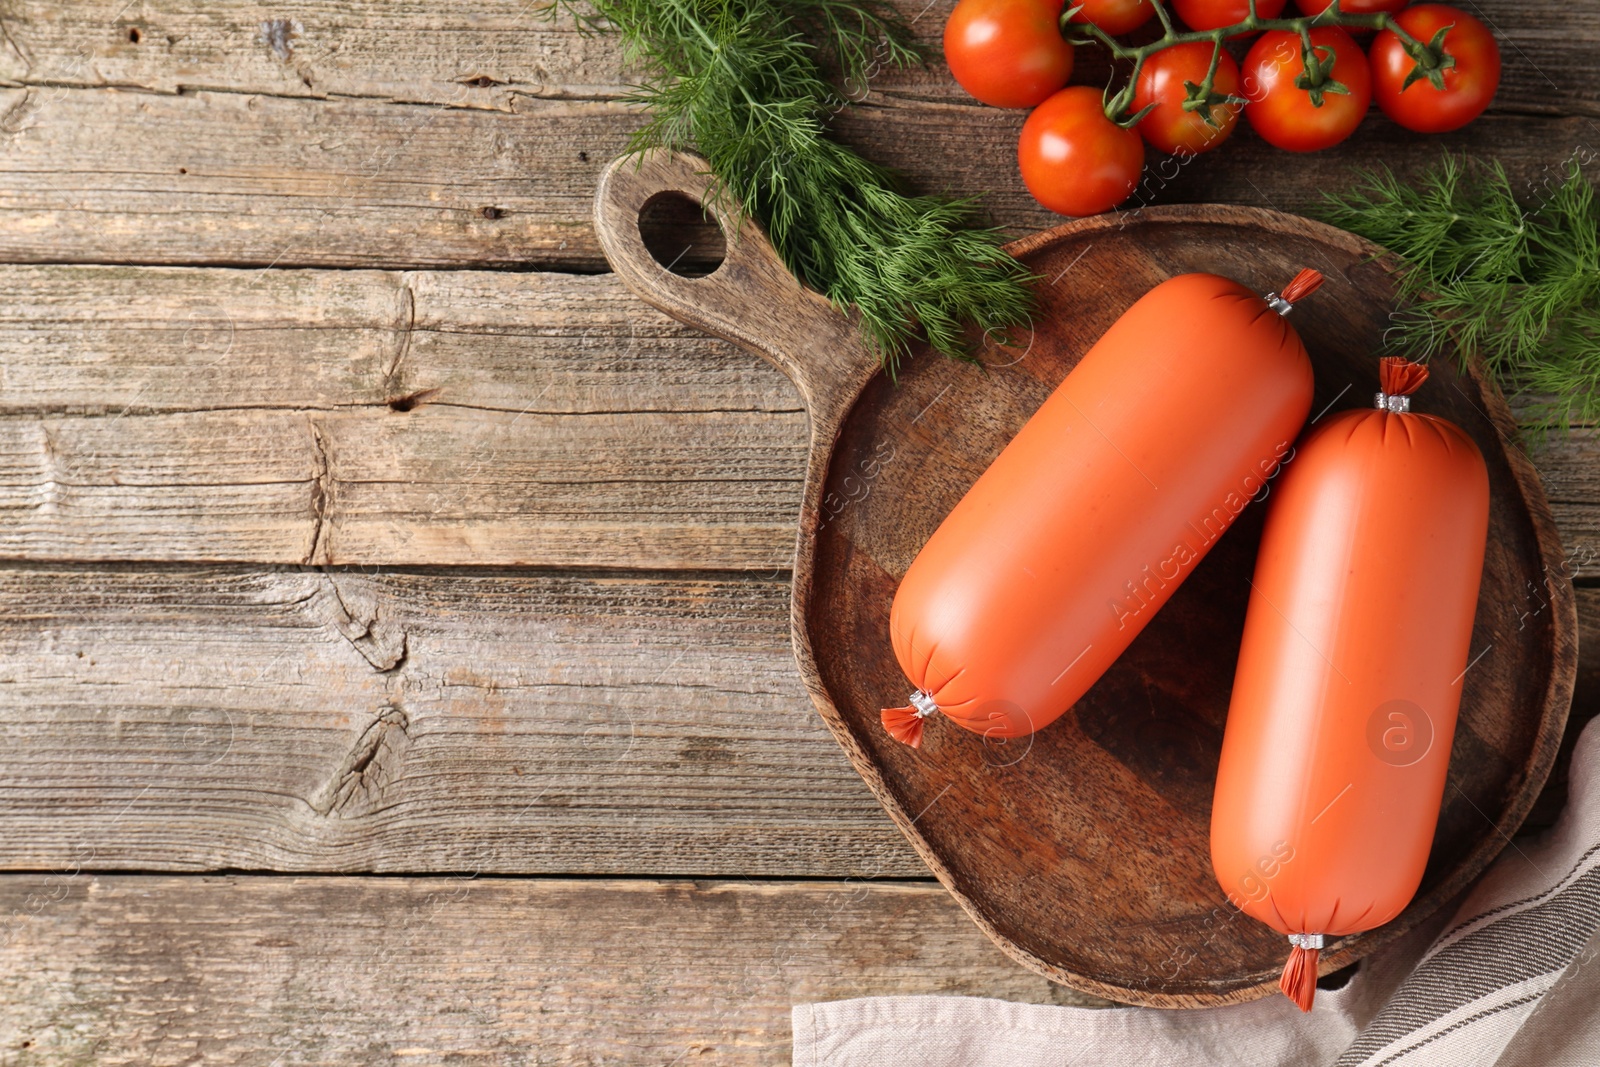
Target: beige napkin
(1510, 979)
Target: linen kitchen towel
(1510, 979)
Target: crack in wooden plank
(405, 328)
(11, 121)
(362, 625)
(368, 769)
(5, 31)
(321, 494)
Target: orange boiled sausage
(1088, 521)
(1354, 653)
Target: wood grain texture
(224, 178)
(182, 718)
(481, 54)
(488, 53)
(236, 179)
(130, 341)
(180, 413)
(361, 417)
(1111, 808)
(341, 971)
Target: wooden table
(393, 645)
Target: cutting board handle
(751, 299)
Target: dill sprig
(746, 84)
(1516, 282)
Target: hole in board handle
(681, 235)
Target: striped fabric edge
(1584, 863)
(1504, 965)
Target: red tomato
(1008, 53)
(1352, 7)
(1215, 14)
(1283, 113)
(1469, 84)
(1116, 17)
(1074, 160)
(1169, 127)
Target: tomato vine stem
(1431, 58)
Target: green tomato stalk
(1431, 59)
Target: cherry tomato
(1352, 7)
(1169, 127)
(1116, 17)
(1469, 84)
(1286, 115)
(1008, 53)
(1215, 14)
(1074, 160)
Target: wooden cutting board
(1083, 850)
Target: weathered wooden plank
(121, 340)
(479, 54)
(213, 414)
(131, 177)
(204, 718)
(489, 52)
(353, 416)
(98, 175)
(258, 970)
(435, 485)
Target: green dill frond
(1514, 281)
(746, 84)
(860, 38)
